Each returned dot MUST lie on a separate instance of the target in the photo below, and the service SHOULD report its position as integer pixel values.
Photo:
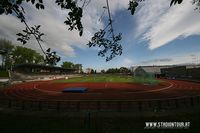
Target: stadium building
(153, 70)
(182, 72)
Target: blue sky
(156, 35)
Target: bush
(4, 74)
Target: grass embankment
(51, 122)
(111, 78)
(4, 74)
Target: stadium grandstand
(182, 72)
(42, 69)
(170, 71)
(36, 72)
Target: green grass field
(4, 74)
(111, 78)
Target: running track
(51, 91)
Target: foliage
(132, 6)
(176, 1)
(102, 71)
(67, 65)
(112, 70)
(197, 3)
(7, 49)
(124, 70)
(74, 15)
(4, 74)
(118, 70)
(18, 55)
(92, 71)
(15, 7)
(78, 66)
(110, 46)
(28, 32)
(51, 57)
(70, 65)
(25, 55)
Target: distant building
(171, 71)
(175, 72)
(153, 70)
(183, 72)
(88, 70)
(140, 72)
(78, 68)
(193, 73)
(192, 66)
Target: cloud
(160, 24)
(157, 61)
(52, 24)
(187, 59)
(174, 60)
(127, 62)
(147, 14)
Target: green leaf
(42, 6)
(32, 1)
(1, 11)
(37, 5)
(132, 11)
(40, 1)
(19, 39)
(49, 49)
(180, 1)
(19, 2)
(19, 34)
(9, 11)
(37, 27)
(175, 1)
(81, 33)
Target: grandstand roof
(29, 65)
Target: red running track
(51, 91)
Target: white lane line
(35, 87)
(56, 92)
(155, 90)
(139, 92)
(135, 100)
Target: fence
(103, 105)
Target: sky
(156, 34)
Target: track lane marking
(155, 90)
(147, 91)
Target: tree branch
(23, 20)
(110, 20)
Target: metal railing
(103, 105)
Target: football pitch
(110, 78)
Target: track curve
(51, 91)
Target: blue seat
(75, 90)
